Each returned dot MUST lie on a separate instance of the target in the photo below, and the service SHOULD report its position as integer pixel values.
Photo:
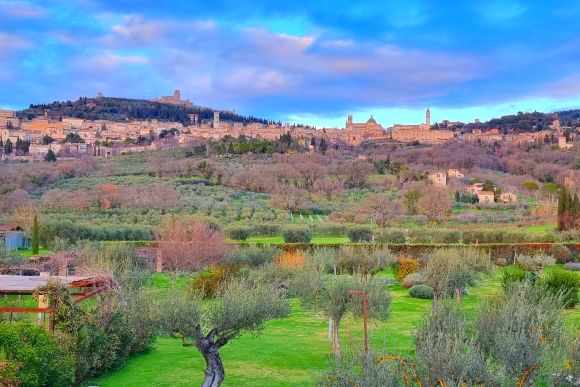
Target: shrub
(574, 266)
(360, 234)
(238, 233)
(412, 280)
(446, 237)
(560, 253)
(267, 229)
(294, 258)
(354, 260)
(501, 262)
(566, 283)
(38, 358)
(297, 235)
(394, 237)
(209, 280)
(534, 262)
(511, 276)
(450, 271)
(422, 291)
(252, 255)
(419, 236)
(406, 266)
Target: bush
(422, 291)
(252, 255)
(37, 357)
(511, 276)
(446, 237)
(412, 280)
(267, 229)
(238, 233)
(534, 262)
(294, 258)
(574, 266)
(211, 279)
(406, 266)
(419, 236)
(566, 283)
(360, 234)
(297, 235)
(394, 237)
(560, 253)
(501, 262)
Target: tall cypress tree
(562, 202)
(34, 236)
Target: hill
(110, 108)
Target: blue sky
(312, 62)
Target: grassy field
(316, 239)
(291, 351)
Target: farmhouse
(439, 179)
(508, 197)
(485, 197)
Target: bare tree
(190, 244)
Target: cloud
(110, 61)
(11, 42)
(21, 9)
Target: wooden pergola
(82, 287)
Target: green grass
(28, 252)
(317, 239)
(291, 351)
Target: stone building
(439, 179)
(355, 133)
(421, 133)
(485, 197)
(174, 99)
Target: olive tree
(523, 329)
(330, 296)
(446, 352)
(239, 306)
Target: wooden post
(42, 303)
(365, 315)
(159, 262)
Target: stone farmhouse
(485, 197)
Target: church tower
(428, 118)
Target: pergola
(82, 287)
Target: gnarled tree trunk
(214, 370)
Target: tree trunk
(214, 370)
(335, 339)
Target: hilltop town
(27, 137)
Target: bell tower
(428, 117)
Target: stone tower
(177, 95)
(216, 119)
(349, 121)
(428, 117)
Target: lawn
(28, 252)
(316, 239)
(291, 351)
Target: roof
(485, 193)
(371, 120)
(27, 283)
(8, 227)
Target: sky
(299, 61)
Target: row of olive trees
(520, 336)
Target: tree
(8, 147)
(241, 305)
(435, 204)
(50, 156)
(331, 297)
(190, 244)
(34, 236)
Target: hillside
(109, 108)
